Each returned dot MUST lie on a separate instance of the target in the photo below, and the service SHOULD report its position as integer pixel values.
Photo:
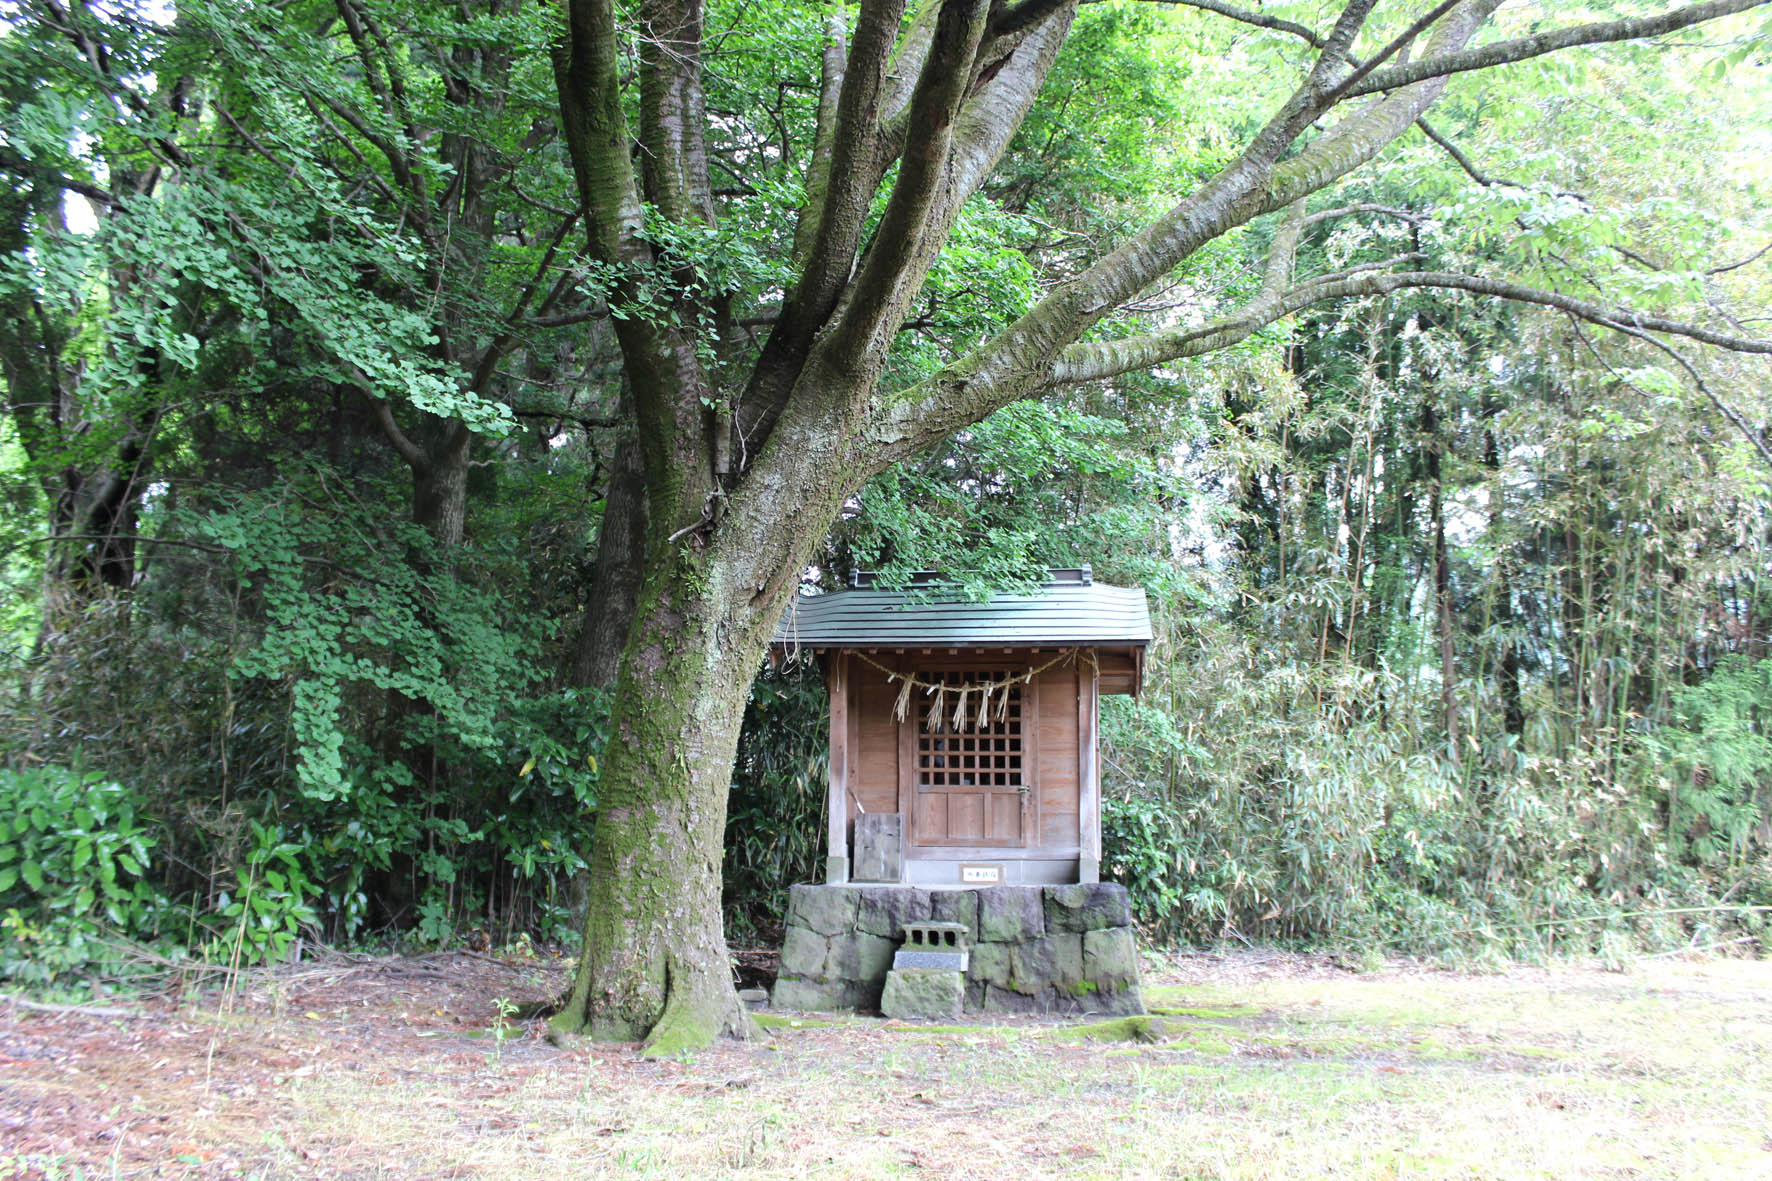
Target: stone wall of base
(1035, 949)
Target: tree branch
(19, 166)
(674, 161)
(832, 220)
(1359, 136)
(843, 209)
(1727, 411)
(1471, 170)
(1100, 359)
(901, 242)
(1539, 44)
(671, 390)
(1017, 18)
(1323, 215)
(818, 172)
(1260, 20)
(1400, 42)
(1462, 160)
(1735, 266)
(411, 452)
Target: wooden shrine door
(971, 775)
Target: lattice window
(981, 750)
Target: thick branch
(897, 260)
(1359, 136)
(844, 207)
(596, 132)
(672, 111)
(833, 219)
(818, 172)
(1018, 360)
(1401, 41)
(1019, 17)
(668, 384)
(995, 110)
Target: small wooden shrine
(963, 734)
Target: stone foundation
(1035, 949)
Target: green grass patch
(777, 1021)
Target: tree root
(698, 1009)
(696, 1012)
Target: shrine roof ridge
(1072, 609)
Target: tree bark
(654, 963)
(615, 580)
(440, 494)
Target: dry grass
(1265, 1065)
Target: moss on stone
(1123, 1029)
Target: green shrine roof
(1073, 609)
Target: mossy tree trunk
(654, 958)
(742, 480)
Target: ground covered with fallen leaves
(1252, 1064)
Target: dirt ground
(1260, 1064)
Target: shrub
(74, 852)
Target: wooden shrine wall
(879, 751)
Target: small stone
(989, 964)
(804, 953)
(860, 957)
(884, 910)
(923, 994)
(1090, 907)
(753, 998)
(1110, 958)
(829, 910)
(956, 906)
(810, 996)
(1010, 914)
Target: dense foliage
(312, 422)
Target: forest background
(314, 415)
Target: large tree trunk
(440, 480)
(654, 962)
